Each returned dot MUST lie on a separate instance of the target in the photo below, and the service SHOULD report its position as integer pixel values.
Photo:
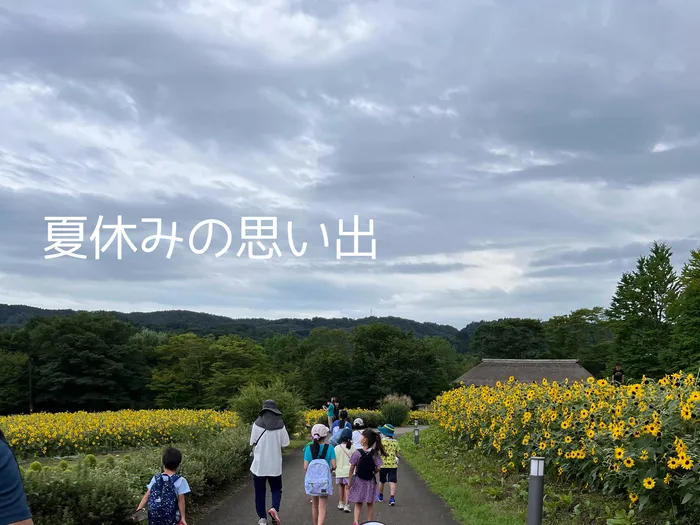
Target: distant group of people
(351, 453)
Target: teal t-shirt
(330, 454)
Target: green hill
(181, 321)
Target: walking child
(165, 494)
(343, 452)
(358, 427)
(389, 469)
(319, 463)
(364, 465)
(338, 427)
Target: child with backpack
(343, 452)
(364, 465)
(338, 427)
(319, 463)
(389, 469)
(165, 494)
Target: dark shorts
(387, 474)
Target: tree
(327, 359)
(82, 362)
(365, 386)
(583, 334)
(466, 335)
(205, 372)
(684, 351)
(14, 382)
(511, 339)
(639, 313)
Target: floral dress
(364, 490)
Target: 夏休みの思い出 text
(259, 237)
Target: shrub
(397, 399)
(248, 402)
(395, 413)
(90, 461)
(371, 418)
(80, 496)
(88, 495)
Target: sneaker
(340, 506)
(274, 517)
(380, 498)
(347, 508)
(392, 502)
(262, 521)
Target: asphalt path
(415, 504)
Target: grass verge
(479, 494)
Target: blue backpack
(318, 481)
(162, 501)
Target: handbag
(252, 450)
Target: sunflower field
(64, 434)
(642, 440)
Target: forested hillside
(184, 321)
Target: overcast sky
(515, 156)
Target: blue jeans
(260, 484)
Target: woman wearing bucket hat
(268, 437)
(389, 469)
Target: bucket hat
(387, 430)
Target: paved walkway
(415, 504)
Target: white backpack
(317, 481)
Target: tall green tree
(14, 383)
(583, 334)
(82, 362)
(327, 360)
(684, 350)
(205, 372)
(372, 342)
(640, 313)
(511, 339)
(286, 358)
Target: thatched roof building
(489, 371)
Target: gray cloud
(515, 157)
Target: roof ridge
(529, 360)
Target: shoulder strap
(259, 438)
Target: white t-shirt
(357, 439)
(181, 487)
(267, 455)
